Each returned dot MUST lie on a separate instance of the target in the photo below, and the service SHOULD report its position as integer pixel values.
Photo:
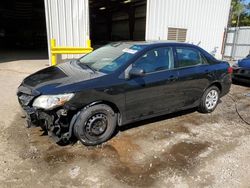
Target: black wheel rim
(96, 126)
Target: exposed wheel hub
(97, 125)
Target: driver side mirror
(136, 72)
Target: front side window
(156, 60)
(189, 57)
(109, 58)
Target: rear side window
(189, 57)
(155, 60)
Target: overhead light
(127, 1)
(102, 8)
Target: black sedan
(241, 70)
(121, 83)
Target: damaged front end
(57, 122)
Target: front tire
(209, 100)
(95, 124)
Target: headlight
(49, 102)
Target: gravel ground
(185, 149)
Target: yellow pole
(53, 56)
(88, 43)
(54, 50)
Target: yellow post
(54, 50)
(53, 55)
(88, 43)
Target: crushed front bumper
(25, 100)
(31, 117)
(57, 123)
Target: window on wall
(177, 34)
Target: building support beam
(131, 22)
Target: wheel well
(217, 84)
(113, 106)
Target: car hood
(244, 63)
(54, 78)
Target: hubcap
(96, 125)
(212, 99)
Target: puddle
(179, 159)
(124, 146)
(120, 148)
(182, 155)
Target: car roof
(155, 43)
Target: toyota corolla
(120, 83)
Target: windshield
(109, 58)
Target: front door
(156, 91)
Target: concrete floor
(186, 149)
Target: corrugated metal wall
(205, 21)
(68, 22)
(238, 43)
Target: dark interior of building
(22, 24)
(117, 20)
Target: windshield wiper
(91, 68)
(86, 65)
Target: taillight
(230, 70)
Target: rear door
(156, 91)
(194, 74)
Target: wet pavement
(184, 149)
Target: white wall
(68, 22)
(205, 20)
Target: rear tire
(95, 124)
(209, 100)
